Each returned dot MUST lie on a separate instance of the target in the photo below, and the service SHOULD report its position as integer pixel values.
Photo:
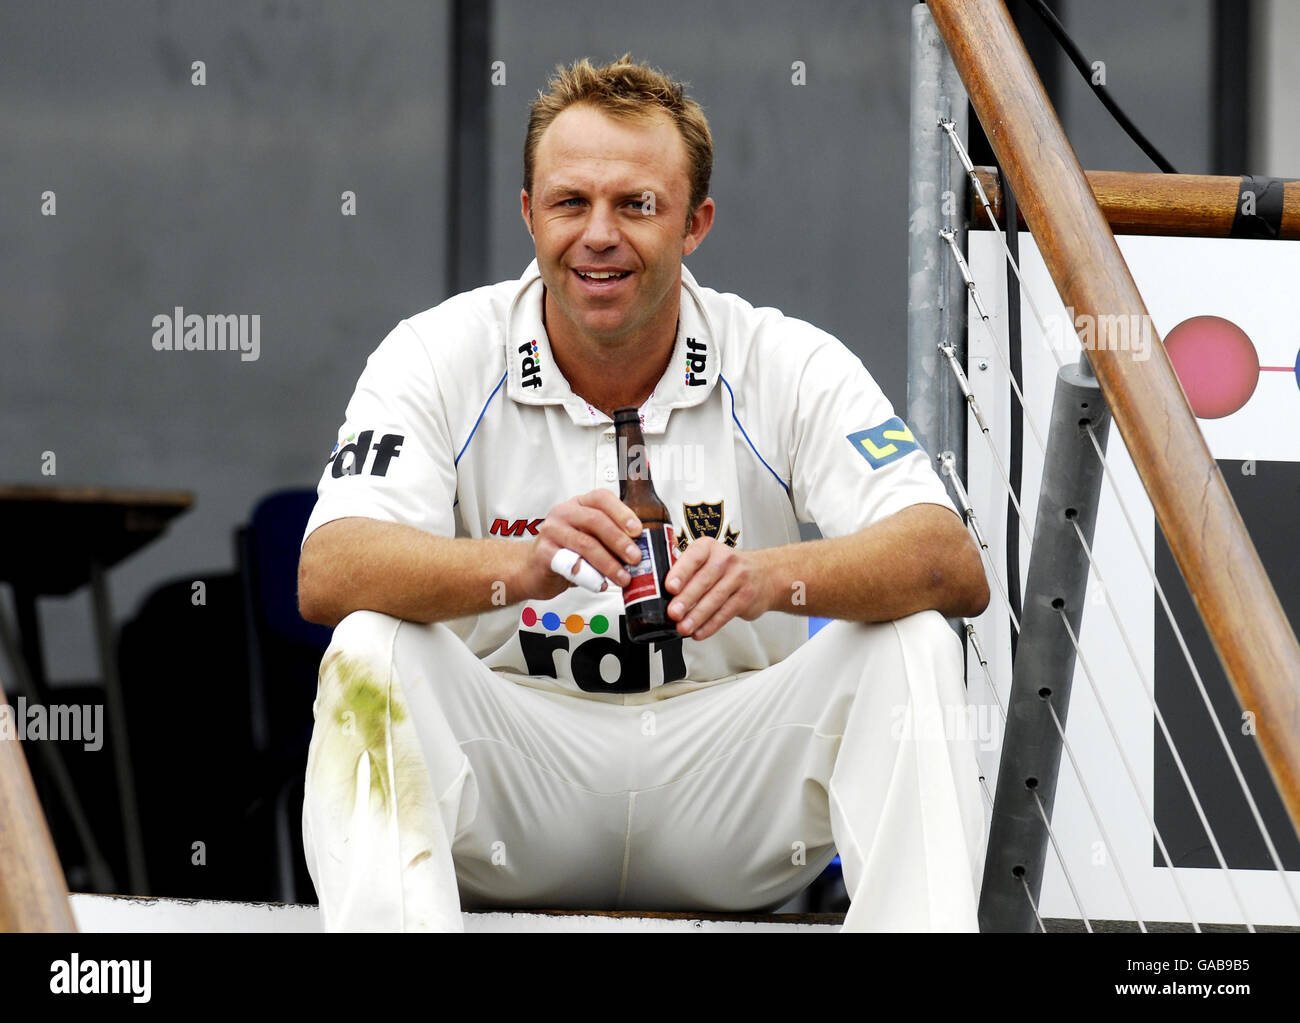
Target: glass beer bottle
(645, 598)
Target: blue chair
(284, 654)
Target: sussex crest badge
(706, 519)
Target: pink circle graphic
(1216, 363)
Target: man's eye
(565, 202)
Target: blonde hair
(631, 91)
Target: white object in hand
(570, 565)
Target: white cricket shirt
(461, 425)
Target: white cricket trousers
(435, 784)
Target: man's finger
(614, 508)
(697, 581)
(597, 523)
(571, 565)
(687, 564)
(724, 614)
(707, 605)
(592, 550)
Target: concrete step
(132, 914)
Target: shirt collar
(533, 379)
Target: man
(486, 735)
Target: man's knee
(373, 636)
(924, 630)
(367, 634)
(371, 639)
(355, 671)
(927, 629)
(921, 644)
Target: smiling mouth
(603, 275)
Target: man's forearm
(363, 564)
(889, 570)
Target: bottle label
(655, 543)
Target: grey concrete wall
(222, 198)
(225, 198)
(1159, 62)
(1275, 89)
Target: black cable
(1017, 421)
(1085, 68)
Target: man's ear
(526, 210)
(698, 224)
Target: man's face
(612, 195)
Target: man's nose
(602, 230)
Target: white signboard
(1250, 290)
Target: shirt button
(610, 474)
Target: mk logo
(885, 443)
(500, 527)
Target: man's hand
(598, 526)
(712, 584)
(918, 558)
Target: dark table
(56, 540)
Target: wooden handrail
(1208, 540)
(33, 893)
(1176, 205)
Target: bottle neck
(635, 484)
